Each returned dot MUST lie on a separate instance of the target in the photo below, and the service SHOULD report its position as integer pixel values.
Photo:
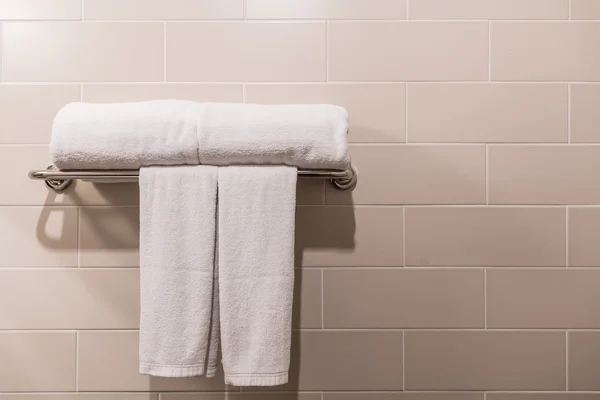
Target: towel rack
(59, 181)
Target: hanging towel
(177, 262)
(125, 135)
(301, 135)
(256, 272)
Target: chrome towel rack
(59, 180)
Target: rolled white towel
(177, 132)
(125, 135)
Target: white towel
(177, 262)
(301, 135)
(176, 132)
(256, 272)
(125, 135)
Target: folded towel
(256, 272)
(300, 135)
(177, 262)
(125, 135)
(175, 132)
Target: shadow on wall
(317, 226)
(105, 230)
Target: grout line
(569, 113)
(570, 5)
(414, 144)
(322, 298)
(243, 10)
(327, 51)
(484, 395)
(489, 51)
(2, 53)
(296, 392)
(485, 298)
(341, 206)
(567, 360)
(243, 92)
(77, 361)
(298, 20)
(404, 236)
(417, 329)
(567, 236)
(487, 174)
(299, 83)
(403, 362)
(164, 51)
(81, 17)
(78, 236)
(406, 112)
(407, 10)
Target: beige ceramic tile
(585, 113)
(556, 298)
(109, 237)
(543, 174)
(489, 9)
(81, 396)
(415, 174)
(310, 191)
(584, 360)
(40, 9)
(388, 298)
(240, 396)
(484, 360)
(116, 194)
(483, 112)
(27, 112)
(163, 9)
(108, 361)
(584, 228)
(542, 396)
(544, 51)
(37, 361)
(408, 51)
(307, 299)
(345, 360)
(349, 236)
(69, 299)
(24, 191)
(404, 396)
(79, 51)
(229, 93)
(481, 236)
(585, 9)
(267, 51)
(376, 110)
(325, 9)
(19, 160)
(38, 237)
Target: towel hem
(173, 371)
(279, 378)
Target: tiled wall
(463, 266)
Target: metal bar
(58, 180)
